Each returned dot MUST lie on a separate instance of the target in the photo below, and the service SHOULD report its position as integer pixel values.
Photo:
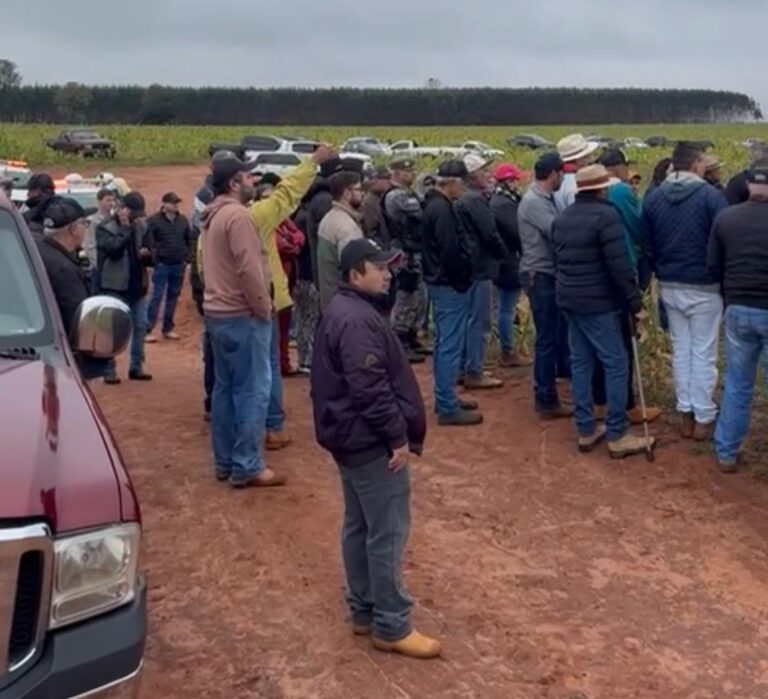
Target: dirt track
(547, 574)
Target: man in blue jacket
(369, 414)
(678, 217)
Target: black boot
(417, 346)
(410, 353)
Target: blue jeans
(450, 310)
(598, 336)
(478, 326)
(746, 336)
(377, 521)
(508, 299)
(165, 278)
(275, 413)
(241, 348)
(209, 373)
(139, 321)
(546, 317)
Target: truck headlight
(94, 573)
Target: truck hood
(54, 463)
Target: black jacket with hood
(446, 257)
(316, 204)
(477, 219)
(504, 204)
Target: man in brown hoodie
(238, 316)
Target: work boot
(412, 646)
(150, 339)
(172, 336)
(275, 441)
(410, 354)
(687, 425)
(629, 445)
(636, 414)
(266, 479)
(587, 444)
(139, 375)
(112, 380)
(514, 361)
(483, 382)
(468, 404)
(418, 346)
(558, 413)
(729, 466)
(461, 419)
(702, 432)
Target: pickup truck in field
(83, 142)
(73, 619)
(411, 149)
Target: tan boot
(687, 425)
(636, 414)
(412, 646)
(276, 441)
(587, 444)
(629, 445)
(558, 413)
(482, 383)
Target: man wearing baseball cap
(40, 190)
(504, 204)
(374, 222)
(596, 284)
(576, 152)
(170, 239)
(122, 248)
(738, 254)
(369, 414)
(488, 250)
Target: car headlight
(94, 573)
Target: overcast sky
(648, 43)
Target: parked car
(252, 146)
(530, 140)
(277, 163)
(367, 146)
(482, 149)
(602, 141)
(17, 172)
(657, 141)
(83, 142)
(632, 142)
(411, 149)
(754, 143)
(73, 617)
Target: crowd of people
(354, 265)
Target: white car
(482, 149)
(411, 149)
(276, 163)
(632, 142)
(365, 145)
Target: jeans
(599, 391)
(139, 321)
(209, 372)
(478, 326)
(563, 348)
(165, 278)
(546, 317)
(746, 336)
(508, 299)
(377, 520)
(451, 310)
(598, 336)
(241, 348)
(694, 327)
(275, 415)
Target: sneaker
(150, 339)
(702, 432)
(629, 445)
(687, 425)
(275, 441)
(558, 413)
(515, 360)
(468, 404)
(482, 383)
(587, 444)
(266, 479)
(636, 414)
(414, 645)
(112, 380)
(172, 336)
(463, 418)
(139, 375)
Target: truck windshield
(23, 320)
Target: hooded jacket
(35, 213)
(365, 396)
(340, 225)
(237, 277)
(317, 203)
(678, 217)
(504, 204)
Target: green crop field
(166, 145)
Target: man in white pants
(678, 217)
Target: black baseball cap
(63, 211)
(41, 180)
(363, 249)
(222, 171)
(453, 168)
(613, 157)
(171, 198)
(135, 202)
(758, 172)
(547, 164)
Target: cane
(649, 454)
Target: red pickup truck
(72, 598)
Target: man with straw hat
(595, 284)
(576, 152)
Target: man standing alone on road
(738, 254)
(170, 239)
(238, 316)
(370, 415)
(535, 215)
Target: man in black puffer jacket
(595, 284)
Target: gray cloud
(647, 43)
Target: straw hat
(594, 177)
(575, 147)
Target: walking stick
(649, 454)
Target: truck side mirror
(102, 327)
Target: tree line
(158, 104)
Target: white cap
(475, 163)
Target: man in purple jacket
(370, 415)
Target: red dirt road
(547, 574)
